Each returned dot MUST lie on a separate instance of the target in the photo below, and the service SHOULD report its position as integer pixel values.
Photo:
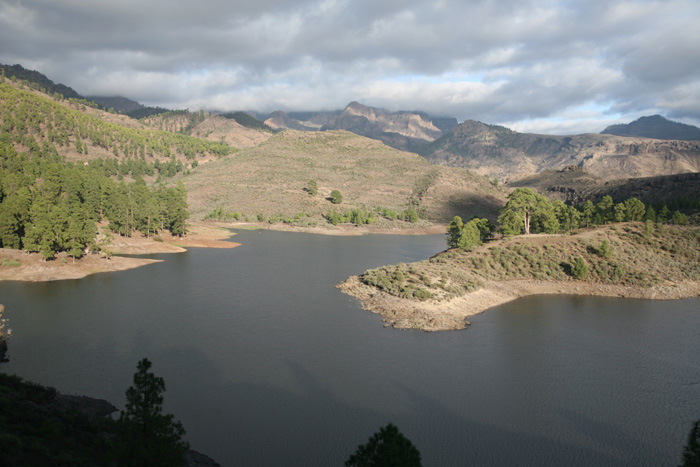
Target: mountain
(282, 121)
(498, 151)
(301, 121)
(656, 127)
(401, 130)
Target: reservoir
(266, 363)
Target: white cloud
(527, 63)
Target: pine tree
(386, 448)
(153, 439)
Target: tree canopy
(526, 211)
(386, 448)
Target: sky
(545, 66)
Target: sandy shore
(431, 315)
(17, 265)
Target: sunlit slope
(30, 118)
(271, 179)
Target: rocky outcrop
(85, 405)
(281, 121)
(401, 130)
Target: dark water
(266, 363)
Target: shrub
(579, 268)
(312, 187)
(604, 250)
(410, 215)
(336, 197)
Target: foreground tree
(691, 452)
(386, 448)
(153, 439)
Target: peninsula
(633, 260)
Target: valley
(86, 188)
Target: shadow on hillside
(469, 205)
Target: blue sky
(543, 66)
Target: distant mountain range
(401, 130)
(498, 151)
(656, 127)
(649, 146)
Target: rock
(86, 405)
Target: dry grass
(271, 179)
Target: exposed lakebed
(267, 363)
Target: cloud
(533, 62)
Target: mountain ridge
(657, 127)
(501, 152)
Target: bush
(312, 187)
(410, 215)
(604, 250)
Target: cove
(267, 363)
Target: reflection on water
(266, 363)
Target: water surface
(266, 363)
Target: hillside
(660, 263)
(40, 426)
(215, 128)
(656, 127)
(272, 177)
(575, 185)
(79, 132)
(498, 151)
(38, 81)
(118, 103)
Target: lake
(267, 363)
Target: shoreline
(202, 234)
(340, 230)
(450, 315)
(30, 267)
